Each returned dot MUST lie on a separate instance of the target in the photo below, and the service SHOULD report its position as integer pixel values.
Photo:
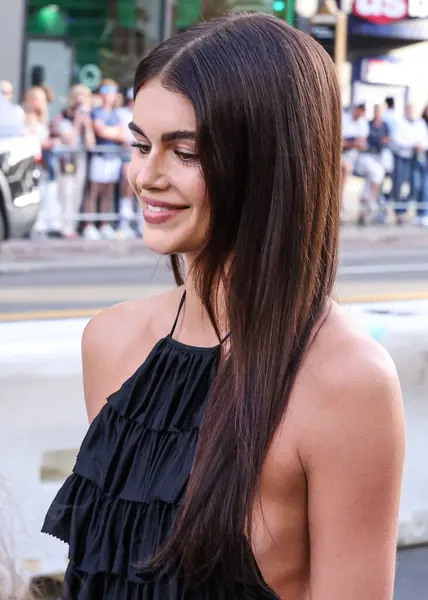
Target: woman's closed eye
(141, 147)
(186, 157)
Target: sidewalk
(57, 250)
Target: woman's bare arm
(353, 456)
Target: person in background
(355, 159)
(74, 127)
(106, 163)
(420, 180)
(50, 94)
(373, 162)
(7, 90)
(10, 123)
(120, 100)
(126, 208)
(409, 145)
(390, 115)
(36, 114)
(50, 159)
(36, 122)
(97, 100)
(355, 130)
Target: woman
(254, 447)
(36, 112)
(37, 123)
(105, 164)
(126, 200)
(74, 127)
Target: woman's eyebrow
(134, 127)
(169, 136)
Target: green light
(278, 5)
(188, 13)
(49, 20)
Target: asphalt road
(82, 285)
(411, 581)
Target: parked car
(19, 175)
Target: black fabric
(130, 476)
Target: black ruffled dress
(130, 476)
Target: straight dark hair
(268, 110)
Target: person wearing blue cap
(106, 163)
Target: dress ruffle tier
(120, 502)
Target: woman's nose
(151, 174)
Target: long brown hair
(268, 110)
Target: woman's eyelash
(186, 157)
(143, 148)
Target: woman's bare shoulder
(116, 342)
(347, 382)
(343, 351)
(129, 318)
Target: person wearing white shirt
(355, 131)
(410, 145)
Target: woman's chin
(164, 247)
(165, 244)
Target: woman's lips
(157, 212)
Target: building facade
(64, 42)
(388, 51)
(83, 41)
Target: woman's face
(80, 98)
(165, 172)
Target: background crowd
(390, 152)
(85, 157)
(86, 152)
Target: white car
(19, 175)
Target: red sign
(388, 11)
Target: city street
(79, 284)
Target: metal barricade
(56, 201)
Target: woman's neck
(195, 323)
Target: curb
(384, 235)
(59, 250)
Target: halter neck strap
(226, 337)
(183, 298)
